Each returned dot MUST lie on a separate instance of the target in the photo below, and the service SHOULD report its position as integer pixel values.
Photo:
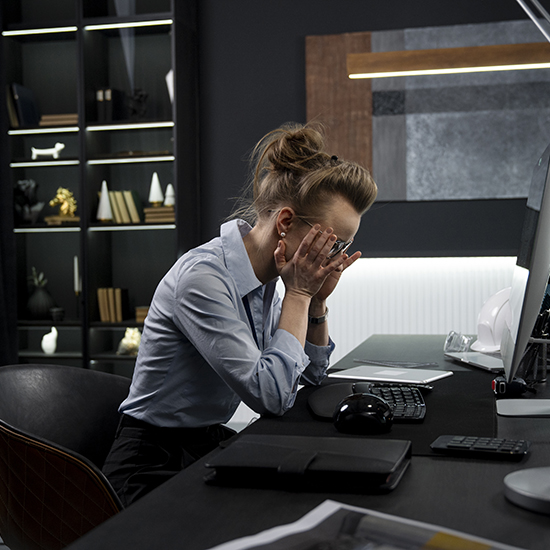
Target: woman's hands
(332, 279)
(308, 273)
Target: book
(117, 218)
(121, 203)
(70, 119)
(160, 214)
(121, 304)
(141, 313)
(132, 208)
(103, 305)
(111, 302)
(26, 107)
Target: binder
(342, 464)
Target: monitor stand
(523, 407)
(529, 488)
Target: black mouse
(363, 413)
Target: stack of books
(70, 119)
(126, 207)
(141, 313)
(159, 214)
(113, 304)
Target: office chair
(56, 427)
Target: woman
(218, 333)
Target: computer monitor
(531, 272)
(529, 488)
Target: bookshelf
(70, 56)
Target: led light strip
(28, 32)
(36, 163)
(166, 158)
(107, 26)
(48, 130)
(132, 227)
(424, 72)
(50, 229)
(136, 126)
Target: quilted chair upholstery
(56, 427)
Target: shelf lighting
(28, 32)
(133, 24)
(35, 163)
(133, 126)
(48, 130)
(126, 160)
(508, 57)
(46, 229)
(132, 227)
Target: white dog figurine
(52, 152)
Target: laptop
(393, 375)
(492, 363)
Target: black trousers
(144, 456)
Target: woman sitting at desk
(217, 331)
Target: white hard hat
(492, 319)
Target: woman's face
(339, 215)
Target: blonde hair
(292, 169)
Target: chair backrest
(49, 496)
(73, 407)
(57, 425)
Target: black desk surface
(466, 495)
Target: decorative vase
(49, 342)
(39, 303)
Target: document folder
(343, 464)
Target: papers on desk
(336, 525)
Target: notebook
(291, 462)
(392, 375)
(477, 359)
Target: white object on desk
(529, 489)
(395, 375)
(523, 407)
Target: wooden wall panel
(344, 106)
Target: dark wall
(252, 79)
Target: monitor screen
(532, 269)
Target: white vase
(169, 196)
(49, 342)
(155, 193)
(104, 211)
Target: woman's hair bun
(293, 148)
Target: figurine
(49, 341)
(27, 206)
(52, 152)
(129, 345)
(67, 208)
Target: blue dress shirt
(202, 352)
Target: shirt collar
(236, 256)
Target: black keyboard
(407, 402)
(481, 447)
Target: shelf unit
(68, 52)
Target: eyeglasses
(337, 247)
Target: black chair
(56, 427)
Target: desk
(466, 495)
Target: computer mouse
(363, 413)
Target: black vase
(39, 303)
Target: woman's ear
(285, 219)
